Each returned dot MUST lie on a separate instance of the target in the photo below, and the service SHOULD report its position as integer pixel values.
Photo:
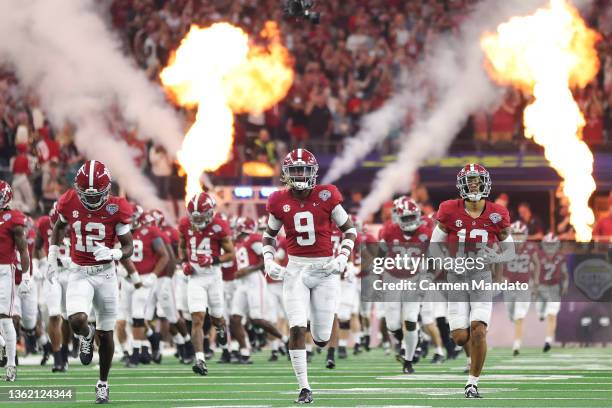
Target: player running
(312, 277)
(203, 235)
(552, 284)
(521, 269)
(96, 221)
(12, 241)
(472, 221)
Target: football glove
(274, 270)
(205, 260)
(337, 265)
(102, 253)
(187, 269)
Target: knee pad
(344, 325)
(320, 343)
(410, 326)
(138, 322)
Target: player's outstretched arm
(229, 251)
(127, 245)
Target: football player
(472, 221)
(150, 257)
(251, 292)
(552, 278)
(408, 233)
(311, 279)
(202, 236)
(96, 221)
(12, 241)
(521, 269)
(54, 291)
(275, 304)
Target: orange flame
(545, 54)
(218, 71)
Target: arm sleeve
(122, 229)
(339, 215)
(274, 223)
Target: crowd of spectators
(345, 67)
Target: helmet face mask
(201, 210)
(93, 184)
(201, 219)
(551, 244)
(299, 170)
(473, 182)
(6, 194)
(407, 214)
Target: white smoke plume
(461, 87)
(63, 51)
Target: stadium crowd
(345, 67)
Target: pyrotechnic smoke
(63, 51)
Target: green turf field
(564, 378)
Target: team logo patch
(324, 195)
(458, 223)
(144, 231)
(7, 217)
(112, 208)
(423, 237)
(75, 214)
(216, 228)
(495, 218)
(286, 208)
(593, 277)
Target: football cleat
(342, 352)
(471, 391)
(46, 354)
(365, 342)
(11, 373)
(86, 347)
(157, 357)
(357, 349)
(273, 356)
(125, 358)
(102, 394)
(515, 352)
(331, 363)
(58, 369)
(145, 356)
(546, 348)
(309, 356)
(200, 368)
(407, 369)
(437, 359)
(226, 357)
(245, 360)
(305, 397)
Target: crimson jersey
(44, 228)
(31, 240)
(363, 238)
(551, 268)
(87, 227)
(398, 241)
(228, 270)
(171, 234)
(8, 220)
(144, 256)
(462, 228)
(308, 223)
(205, 241)
(518, 270)
(246, 252)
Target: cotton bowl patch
(495, 218)
(112, 208)
(7, 217)
(324, 195)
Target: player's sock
(10, 337)
(275, 344)
(331, 353)
(411, 340)
(245, 352)
(200, 356)
(154, 339)
(58, 359)
(309, 348)
(234, 345)
(342, 343)
(65, 352)
(516, 345)
(399, 335)
(548, 339)
(222, 337)
(103, 383)
(42, 340)
(300, 367)
(439, 350)
(472, 380)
